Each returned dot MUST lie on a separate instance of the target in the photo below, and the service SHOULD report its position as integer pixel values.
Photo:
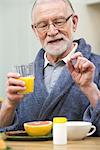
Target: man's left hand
(82, 71)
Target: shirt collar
(65, 59)
(46, 61)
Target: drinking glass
(27, 75)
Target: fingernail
(74, 61)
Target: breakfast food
(38, 128)
(2, 145)
(16, 133)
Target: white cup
(78, 130)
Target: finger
(88, 66)
(76, 55)
(70, 66)
(74, 64)
(83, 64)
(13, 75)
(17, 82)
(79, 63)
(15, 89)
(74, 60)
(14, 97)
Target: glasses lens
(58, 23)
(42, 26)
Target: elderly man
(67, 73)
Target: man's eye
(42, 25)
(59, 22)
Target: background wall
(18, 45)
(89, 22)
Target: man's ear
(34, 29)
(75, 22)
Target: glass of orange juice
(27, 75)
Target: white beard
(57, 51)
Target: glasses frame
(57, 27)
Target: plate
(28, 138)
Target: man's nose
(52, 30)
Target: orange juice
(29, 83)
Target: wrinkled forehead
(37, 2)
(48, 7)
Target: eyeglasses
(58, 23)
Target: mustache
(53, 39)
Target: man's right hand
(8, 106)
(13, 87)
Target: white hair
(65, 1)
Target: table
(90, 143)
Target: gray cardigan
(65, 99)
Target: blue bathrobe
(65, 99)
